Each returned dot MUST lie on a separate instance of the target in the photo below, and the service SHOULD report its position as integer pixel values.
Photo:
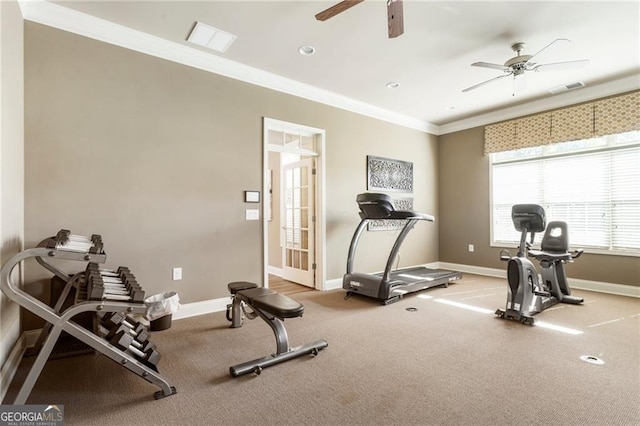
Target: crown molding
(585, 94)
(56, 16)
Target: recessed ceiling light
(450, 108)
(307, 50)
(210, 37)
(393, 85)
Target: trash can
(160, 310)
(161, 323)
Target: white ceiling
(431, 60)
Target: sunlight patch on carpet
(464, 306)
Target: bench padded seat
(278, 305)
(252, 294)
(236, 286)
(272, 302)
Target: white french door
(297, 222)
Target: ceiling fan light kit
(519, 64)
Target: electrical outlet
(177, 274)
(471, 248)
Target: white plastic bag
(161, 304)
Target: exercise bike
(528, 296)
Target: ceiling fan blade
(547, 46)
(489, 65)
(395, 18)
(557, 66)
(336, 9)
(486, 82)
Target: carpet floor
(447, 361)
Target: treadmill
(390, 285)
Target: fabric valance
(599, 118)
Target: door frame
(320, 196)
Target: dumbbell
(112, 285)
(118, 322)
(98, 289)
(145, 351)
(111, 319)
(125, 340)
(123, 277)
(64, 239)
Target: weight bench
(273, 308)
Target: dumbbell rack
(56, 322)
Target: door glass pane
(276, 138)
(304, 218)
(304, 181)
(296, 197)
(288, 183)
(297, 224)
(304, 261)
(304, 239)
(296, 259)
(296, 238)
(296, 177)
(308, 142)
(292, 140)
(289, 219)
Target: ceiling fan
(395, 21)
(519, 64)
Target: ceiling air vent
(210, 37)
(570, 86)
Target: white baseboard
(26, 340)
(610, 288)
(332, 284)
(200, 308)
(601, 287)
(272, 270)
(11, 365)
(577, 283)
(470, 269)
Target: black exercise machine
(252, 301)
(526, 295)
(390, 285)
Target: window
(592, 184)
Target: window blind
(597, 193)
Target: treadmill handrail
(396, 247)
(354, 243)
(411, 217)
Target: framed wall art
(389, 175)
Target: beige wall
(155, 156)
(11, 164)
(464, 207)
